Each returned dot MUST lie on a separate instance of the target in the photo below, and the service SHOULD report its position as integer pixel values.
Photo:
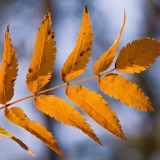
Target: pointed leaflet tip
(124, 15)
(85, 8)
(7, 29)
(105, 61)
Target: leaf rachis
(135, 57)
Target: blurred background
(141, 129)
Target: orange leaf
(79, 57)
(96, 107)
(138, 56)
(59, 109)
(41, 66)
(106, 59)
(16, 116)
(14, 138)
(8, 70)
(124, 90)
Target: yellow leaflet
(8, 70)
(13, 137)
(124, 90)
(138, 56)
(62, 111)
(41, 66)
(96, 107)
(79, 57)
(17, 116)
(106, 59)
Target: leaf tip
(30, 152)
(7, 29)
(124, 15)
(151, 109)
(85, 8)
(124, 137)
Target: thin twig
(9, 104)
(53, 88)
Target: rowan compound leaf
(16, 116)
(96, 107)
(59, 109)
(8, 70)
(13, 137)
(41, 66)
(124, 90)
(76, 63)
(106, 59)
(138, 55)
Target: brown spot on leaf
(44, 60)
(9, 65)
(13, 80)
(52, 36)
(30, 70)
(131, 63)
(81, 54)
(88, 49)
(63, 77)
(75, 63)
(49, 32)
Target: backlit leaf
(79, 57)
(13, 137)
(124, 90)
(138, 55)
(96, 107)
(8, 70)
(57, 108)
(17, 116)
(106, 59)
(41, 66)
